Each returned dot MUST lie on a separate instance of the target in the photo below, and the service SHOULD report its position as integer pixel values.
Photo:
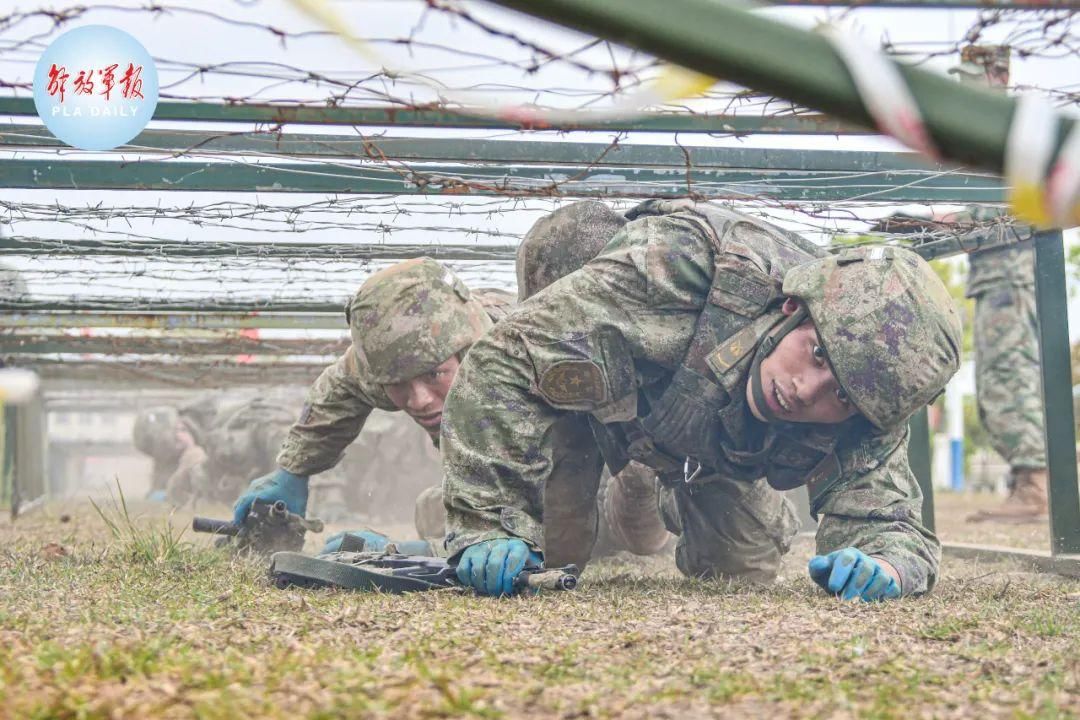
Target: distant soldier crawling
(737, 360)
(208, 448)
(172, 438)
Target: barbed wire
(248, 249)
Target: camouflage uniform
(155, 434)
(1008, 386)
(1007, 372)
(653, 342)
(420, 331)
(241, 443)
(627, 516)
(343, 396)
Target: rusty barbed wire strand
(146, 250)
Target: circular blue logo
(95, 87)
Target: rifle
(268, 528)
(393, 572)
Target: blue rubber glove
(376, 542)
(278, 485)
(852, 574)
(157, 496)
(490, 567)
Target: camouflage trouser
(1007, 380)
(629, 506)
(729, 528)
(572, 517)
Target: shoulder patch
(734, 349)
(573, 381)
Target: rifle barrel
(217, 527)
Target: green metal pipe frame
(724, 40)
(201, 377)
(919, 459)
(153, 249)
(112, 306)
(897, 186)
(79, 318)
(933, 249)
(499, 152)
(1052, 310)
(275, 115)
(28, 345)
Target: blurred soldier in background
(172, 438)
(12, 285)
(241, 440)
(1006, 334)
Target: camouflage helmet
(412, 317)
(562, 242)
(888, 325)
(154, 433)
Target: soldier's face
(798, 383)
(422, 397)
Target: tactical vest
(693, 423)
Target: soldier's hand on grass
(490, 567)
(278, 485)
(851, 573)
(375, 542)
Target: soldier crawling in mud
(737, 360)
(411, 325)
(172, 438)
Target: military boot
(631, 511)
(1026, 501)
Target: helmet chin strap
(768, 344)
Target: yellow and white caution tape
(1044, 190)
(1028, 150)
(1063, 183)
(882, 90)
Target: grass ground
(96, 626)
